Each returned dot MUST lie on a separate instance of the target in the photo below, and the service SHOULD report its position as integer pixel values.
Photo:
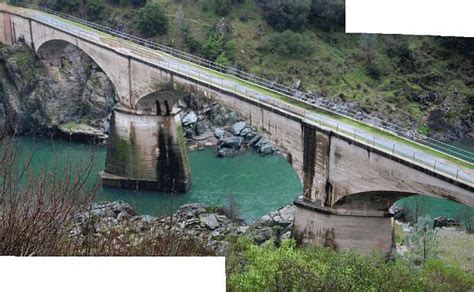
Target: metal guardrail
(395, 149)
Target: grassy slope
(336, 68)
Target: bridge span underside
(348, 185)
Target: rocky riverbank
(212, 225)
(208, 123)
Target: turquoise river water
(257, 185)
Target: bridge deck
(461, 170)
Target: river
(255, 184)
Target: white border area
(116, 274)
(415, 17)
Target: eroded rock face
(41, 95)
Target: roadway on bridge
(230, 83)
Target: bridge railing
(307, 98)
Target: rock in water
(232, 142)
(238, 127)
(190, 118)
(255, 140)
(226, 152)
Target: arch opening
(53, 52)
(78, 91)
(161, 103)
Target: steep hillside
(415, 81)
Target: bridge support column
(146, 152)
(321, 226)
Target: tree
(367, 45)
(291, 44)
(222, 7)
(466, 218)
(180, 19)
(463, 46)
(286, 14)
(399, 49)
(152, 20)
(67, 6)
(328, 14)
(95, 8)
(213, 46)
(422, 243)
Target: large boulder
(219, 115)
(191, 210)
(226, 152)
(261, 235)
(238, 127)
(440, 222)
(201, 128)
(209, 221)
(190, 118)
(232, 142)
(265, 147)
(255, 139)
(219, 133)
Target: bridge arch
(54, 49)
(383, 191)
(162, 102)
(377, 201)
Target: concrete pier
(322, 226)
(146, 152)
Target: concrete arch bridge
(351, 173)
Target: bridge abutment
(146, 152)
(341, 230)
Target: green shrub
(373, 70)
(288, 268)
(135, 3)
(152, 20)
(328, 14)
(192, 43)
(291, 44)
(286, 14)
(222, 7)
(441, 276)
(95, 8)
(67, 6)
(214, 46)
